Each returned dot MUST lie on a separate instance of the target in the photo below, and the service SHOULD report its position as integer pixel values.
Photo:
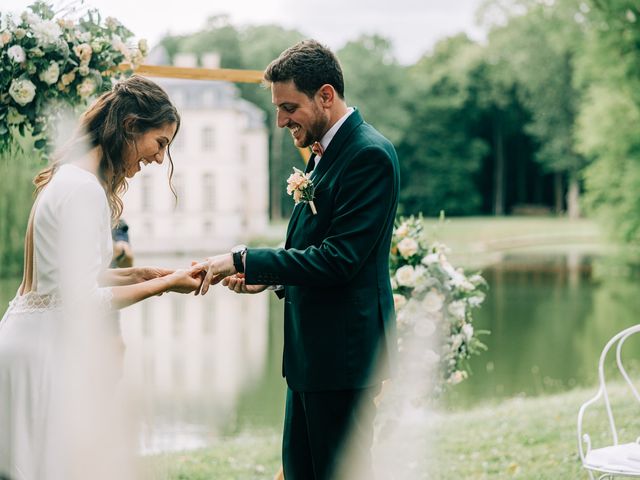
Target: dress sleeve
(83, 236)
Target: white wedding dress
(58, 416)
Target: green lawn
(478, 241)
(524, 438)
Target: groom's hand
(237, 284)
(217, 268)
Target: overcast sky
(413, 26)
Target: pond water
(209, 367)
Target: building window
(147, 193)
(178, 142)
(207, 191)
(244, 157)
(207, 139)
(178, 186)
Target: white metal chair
(615, 460)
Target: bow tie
(316, 147)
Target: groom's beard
(316, 130)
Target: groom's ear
(327, 94)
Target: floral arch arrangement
(47, 58)
(434, 301)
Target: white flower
(111, 23)
(457, 376)
(476, 300)
(85, 37)
(433, 301)
(22, 91)
(16, 53)
(83, 70)
(68, 78)
(406, 276)
(467, 331)
(407, 247)
(86, 88)
(423, 280)
(402, 230)
(461, 282)
(14, 117)
(119, 45)
(457, 309)
(456, 342)
(399, 301)
(410, 313)
(30, 18)
(51, 74)
(430, 259)
(20, 33)
(83, 52)
(394, 284)
(477, 279)
(46, 32)
(5, 37)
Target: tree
(609, 121)
(544, 72)
(375, 82)
(439, 154)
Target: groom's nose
(282, 119)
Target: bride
(59, 417)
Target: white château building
(221, 175)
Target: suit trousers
(328, 435)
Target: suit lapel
(329, 156)
(335, 147)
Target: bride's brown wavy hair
(113, 122)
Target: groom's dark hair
(310, 65)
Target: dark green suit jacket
(339, 325)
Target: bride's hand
(149, 273)
(185, 281)
(237, 284)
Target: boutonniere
(300, 186)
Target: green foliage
(18, 166)
(46, 61)
(439, 152)
(609, 126)
(545, 75)
(376, 84)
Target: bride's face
(150, 147)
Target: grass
(479, 241)
(523, 438)
(252, 456)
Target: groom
(339, 325)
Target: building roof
(205, 94)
